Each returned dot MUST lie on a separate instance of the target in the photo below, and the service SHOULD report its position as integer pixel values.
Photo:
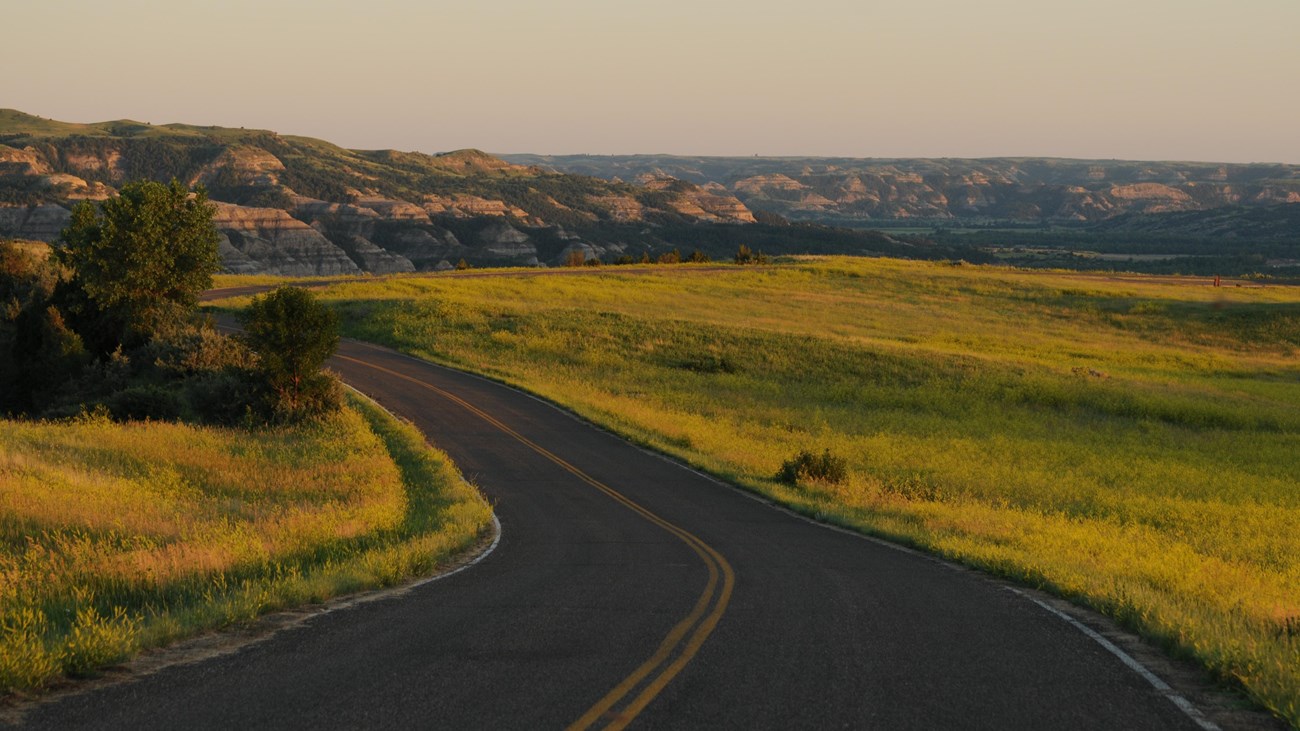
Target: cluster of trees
(138, 157)
(108, 322)
(744, 255)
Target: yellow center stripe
(687, 635)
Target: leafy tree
(37, 349)
(672, 257)
(142, 259)
(293, 335)
(699, 257)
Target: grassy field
(1128, 442)
(119, 537)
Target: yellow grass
(1128, 442)
(116, 537)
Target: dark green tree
(141, 259)
(293, 335)
(38, 351)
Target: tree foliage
(143, 258)
(37, 349)
(293, 335)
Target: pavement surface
(629, 590)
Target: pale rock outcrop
(723, 207)
(621, 208)
(37, 223)
(109, 162)
(1148, 191)
(503, 241)
(759, 184)
(373, 259)
(395, 210)
(243, 164)
(76, 189)
(279, 243)
(466, 206)
(424, 249)
(21, 162)
(235, 261)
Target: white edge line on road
(195, 649)
(496, 539)
(496, 522)
(1160, 685)
(1183, 704)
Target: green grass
(1130, 443)
(120, 537)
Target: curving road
(627, 589)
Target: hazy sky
(1149, 79)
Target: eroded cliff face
(278, 243)
(240, 165)
(846, 189)
(35, 223)
(296, 206)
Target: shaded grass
(119, 537)
(1127, 442)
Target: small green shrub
(808, 467)
(147, 401)
(707, 363)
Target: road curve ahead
(628, 590)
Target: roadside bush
(148, 401)
(808, 467)
(191, 349)
(232, 397)
(318, 394)
(293, 335)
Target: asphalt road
(628, 589)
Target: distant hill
(296, 205)
(866, 192)
(1230, 222)
(303, 206)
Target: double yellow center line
(679, 647)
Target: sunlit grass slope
(1132, 443)
(118, 537)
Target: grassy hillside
(119, 537)
(1129, 443)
